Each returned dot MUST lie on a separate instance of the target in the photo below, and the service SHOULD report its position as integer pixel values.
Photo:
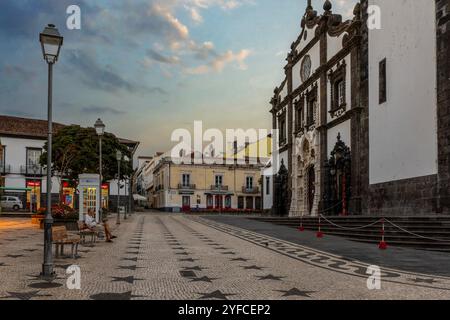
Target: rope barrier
(346, 228)
(301, 228)
(383, 245)
(415, 234)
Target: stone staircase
(429, 233)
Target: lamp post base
(47, 273)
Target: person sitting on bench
(92, 225)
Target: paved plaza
(172, 257)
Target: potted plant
(65, 215)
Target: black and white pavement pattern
(171, 257)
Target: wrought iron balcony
(33, 170)
(186, 186)
(254, 190)
(5, 169)
(219, 188)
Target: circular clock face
(306, 68)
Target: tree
(76, 151)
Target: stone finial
(327, 6)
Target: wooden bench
(61, 238)
(86, 232)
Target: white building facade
(23, 143)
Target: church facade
(363, 115)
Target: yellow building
(2, 164)
(190, 187)
(260, 151)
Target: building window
(186, 180)
(219, 181)
(311, 110)
(338, 90)
(3, 157)
(33, 161)
(383, 82)
(267, 185)
(249, 183)
(299, 111)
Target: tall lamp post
(125, 159)
(119, 159)
(100, 128)
(51, 42)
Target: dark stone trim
(323, 120)
(346, 116)
(363, 119)
(443, 103)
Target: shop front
(105, 196)
(68, 194)
(33, 188)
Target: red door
(186, 204)
(219, 202)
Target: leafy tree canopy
(76, 151)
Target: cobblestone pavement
(175, 257)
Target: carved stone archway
(306, 158)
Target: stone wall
(410, 197)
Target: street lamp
(119, 159)
(51, 42)
(100, 129)
(125, 159)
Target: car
(8, 202)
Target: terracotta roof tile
(26, 127)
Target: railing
(33, 170)
(254, 190)
(4, 169)
(219, 188)
(186, 186)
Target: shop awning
(138, 197)
(15, 189)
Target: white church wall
(284, 92)
(345, 130)
(310, 34)
(334, 45)
(403, 139)
(314, 53)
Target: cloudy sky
(147, 67)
